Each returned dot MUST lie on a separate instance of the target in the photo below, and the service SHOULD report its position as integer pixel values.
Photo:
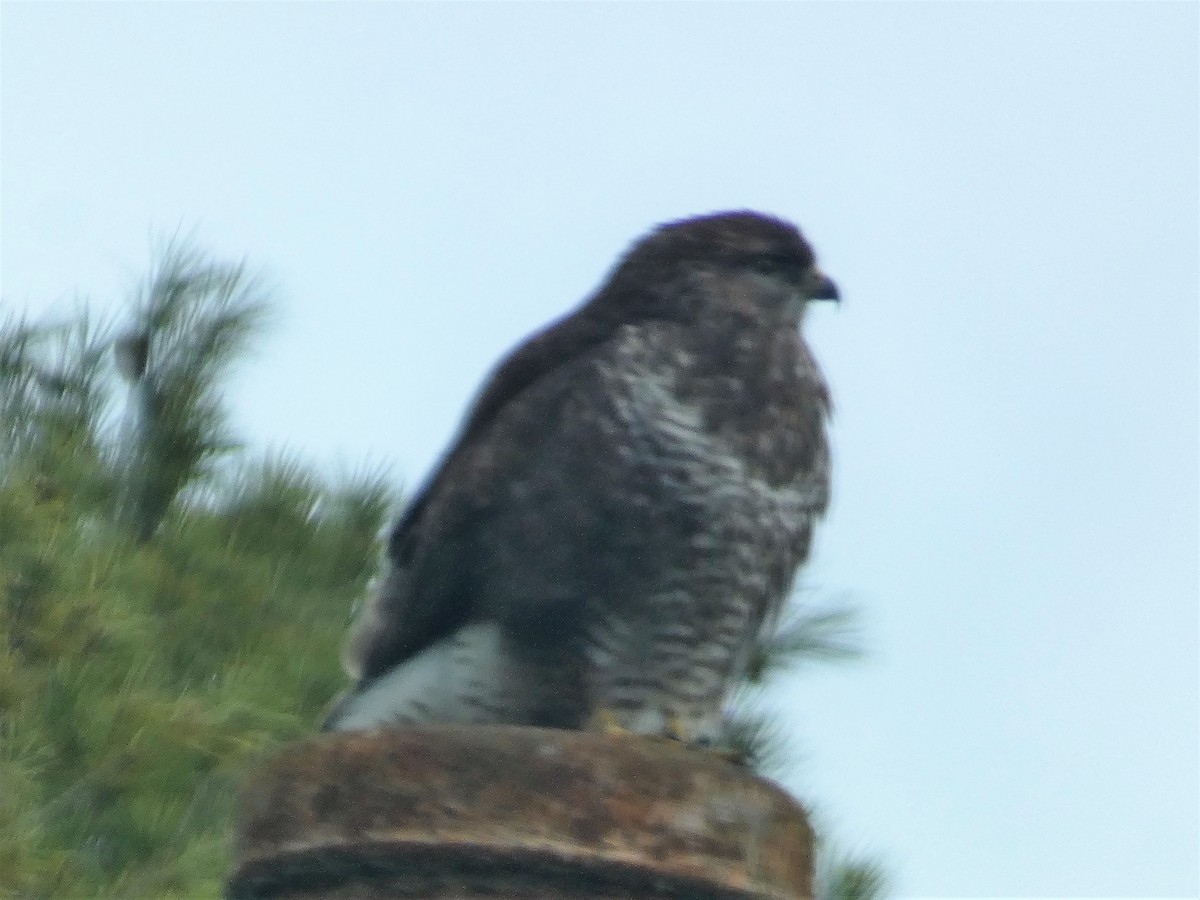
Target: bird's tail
(471, 677)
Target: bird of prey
(619, 520)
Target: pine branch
(53, 400)
(831, 634)
(193, 319)
(840, 877)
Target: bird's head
(740, 263)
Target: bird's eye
(770, 266)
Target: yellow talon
(605, 721)
(676, 729)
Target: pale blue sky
(1007, 194)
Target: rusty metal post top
(456, 812)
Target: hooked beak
(819, 286)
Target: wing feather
(426, 591)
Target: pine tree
(162, 620)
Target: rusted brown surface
(513, 812)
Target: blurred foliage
(806, 633)
(193, 319)
(149, 651)
(843, 877)
(170, 609)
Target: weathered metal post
(452, 812)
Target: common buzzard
(622, 513)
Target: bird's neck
(760, 391)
